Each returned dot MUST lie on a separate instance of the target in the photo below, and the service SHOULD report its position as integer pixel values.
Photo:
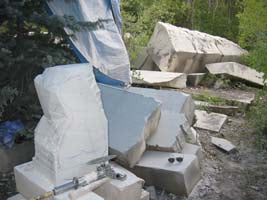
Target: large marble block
(73, 129)
(132, 119)
(177, 178)
(172, 101)
(176, 49)
(169, 135)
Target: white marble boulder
(74, 128)
(175, 49)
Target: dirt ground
(237, 176)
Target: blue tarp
(8, 131)
(104, 48)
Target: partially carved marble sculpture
(74, 128)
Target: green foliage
(216, 17)
(7, 95)
(258, 118)
(210, 99)
(253, 33)
(253, 22)
(140, 18)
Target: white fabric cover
(103, 48)
(74, 128)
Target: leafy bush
(258, 118)
(140, 18)
(7, 95)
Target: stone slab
(209, 121)
(18, 154)
(144, 195)
(172, 101)
(237, 71)
(177, 178)
(234, 96)
(223, 144)
(176, 49)
(31, 183)
(130, 189)
(168, 137)
(132, 118)
(223, 109)
(195, 79)
(160, 79)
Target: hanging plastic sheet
(103, 47)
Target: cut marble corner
(132, 118)
(177, 178)
(172, 101)
(168, 137)
(130, 188)
(193, 149)
(209, 121)
(159, 79)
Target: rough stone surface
(132, 119)
(223, 109)
(237, 71)
(145, 195)
(176, 49)
(172, 101)
(161, 79)
(194, 79)
(18, 154)
(191, 135)
(17, 197)
(193, 150)
(177, 178)
(152, 192)
(168, 136)
(129, 189)
(74, 128)
(145, 62)
(209, 121)
(223, 144)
